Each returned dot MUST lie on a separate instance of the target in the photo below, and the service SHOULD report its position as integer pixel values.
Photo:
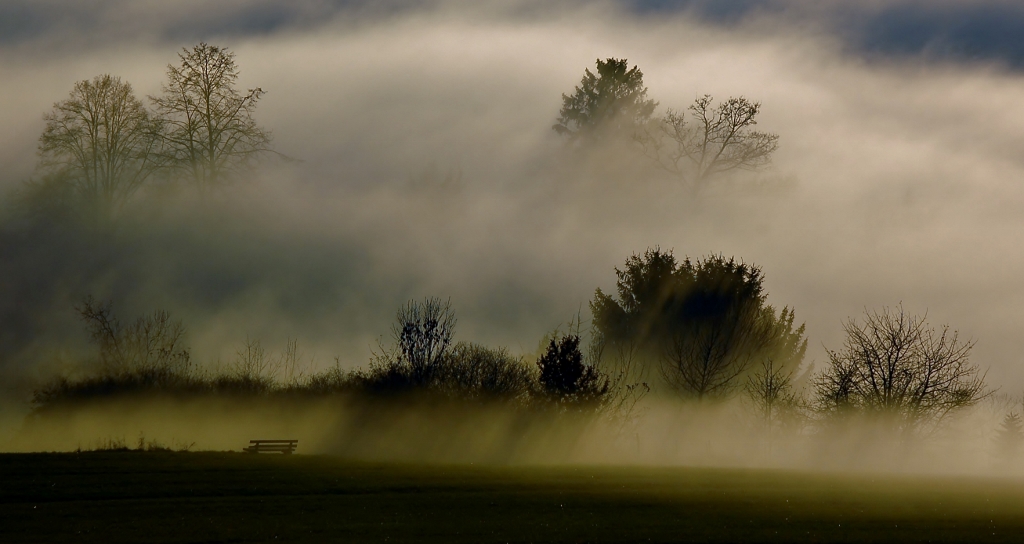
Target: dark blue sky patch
(67, 23)
(989, 31)
(259, 20)
(717, 11)
(19, 21)
(262, 17)
(954, 33)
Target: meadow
(132, 496)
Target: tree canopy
(565, 377)
(695, 146)
(98, 144)
(702, 322)
(210, 132)
(612, 102)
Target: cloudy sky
(899, 177)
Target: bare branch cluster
(210, 132)
(713, 141)
(255, 367)
(253, 363)
(770, 389)
(894, 364)
(151, 343)
(423, 332)
(99, 143)
(472, 371)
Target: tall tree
(703, 322)
(99, 144)
(712, 141)
(612, 102)
(210, 132)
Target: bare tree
(424, 332)
(99, 143)
(715, 140)
(769, 388)
(210, 132)
(628, 379)
(706, 357)
(152, 343)
(253, 364)
(894, 365)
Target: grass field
(233, 497)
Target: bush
(423, 334)
(152, 345)
(467, 372)
(894, 366)
(705, 324)
(475, 371)
(565, 378)
(126, 383)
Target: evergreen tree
(612, 102)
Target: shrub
(423, 334)
(152, 345)
(475, 371)
(565, 378)
(705, 323)
(893, 365)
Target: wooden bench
(286, 447)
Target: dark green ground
(229, 497)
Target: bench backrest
(283, 446)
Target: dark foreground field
(231, 497)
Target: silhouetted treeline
(102, 145)
(147, 358)
(698, 330)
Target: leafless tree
(423, 332)
(713, 141)
(151, 343)
(894, 365)
(705, 358)
(99, 143)
(210, 132)
(628, 380)
(290, 363)
(769, 388)
(253, 364)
